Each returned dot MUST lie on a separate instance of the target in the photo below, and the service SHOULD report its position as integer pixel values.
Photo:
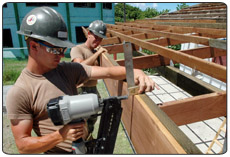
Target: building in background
(75, 15)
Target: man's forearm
(115, 72)
(36, 145)
(91, 59)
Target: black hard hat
(98, 28)
(44, 23)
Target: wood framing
(138, 112)
(153, 128)
(209, 68)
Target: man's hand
(145, 83)
(73, 132)
(100, 50)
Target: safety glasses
(54, 50)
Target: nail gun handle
(78, 146)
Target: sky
(159, 6)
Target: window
(80, 36)
(41, 4)
(85, 5)
(7, 38)
(107, 5)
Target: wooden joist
(197, 108)
(185, 38)
(209, 68)
(197, 25)
(153, 128)
(178, 29)
(162, 136)
(151, 61)
(139, 112)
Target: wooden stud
(209, 68)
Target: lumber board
(200, 25)
(149, 61)
(178, 20)
(178, 29)
(149, 135)
(197, 108)
(205, 52)
(199, 11)
(186, 38)
(222, 44)
(111, 40)
(106, 61)
(114, 49)
(217, 19)
(118, 48)
(117, 88)
(212, 69)
(155, 60)
(162, 136)
(206, 8)
(210, 15)
(165, 41)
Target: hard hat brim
(51, 40)
(98, 34)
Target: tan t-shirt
(83, 52)
(29, 96)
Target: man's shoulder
(80, 46)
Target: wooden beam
(206, 8)
(150, 61)
(114, 49)
(200, 25)
(143, 120)
(178, 29)
(165, 41)
(197, 108)
(205, 52)
(210, 15)
(186, 38)
(212, 69)
(221, 44)
(178, 20)
(149, 128)
(85, 31)
(111, 40)
(199, 11)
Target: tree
(150, 12)
(132, 13)
(181, 6)
(164, 11)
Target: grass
(11, 71)
(122, 145)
